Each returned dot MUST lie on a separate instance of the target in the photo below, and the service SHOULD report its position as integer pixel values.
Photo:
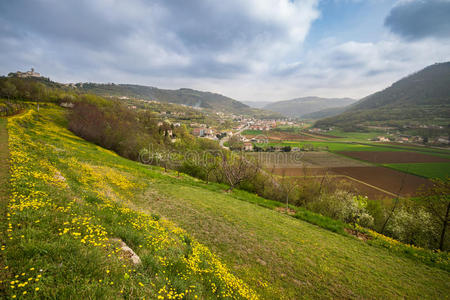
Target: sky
(250, 50)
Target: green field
(71, 197)
(336, 146)
(429, 170)
(354, 146)
(355, 136)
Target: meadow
(69, 199)
(428, 170)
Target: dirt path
(4, 163)
(4, 176)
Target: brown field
(374, 182)
(388, 157)
(305, 159)
(341, 181)
(387, 179)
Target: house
(248, 146)
(382, 139)
(443, 140)
(198, 131)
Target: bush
(415, 226)
(344, 206)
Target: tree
(8, 89)
(396, 203)
(437, 200)
(235, 143)
(237, 169)
(286, 185)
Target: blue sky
(247, 49)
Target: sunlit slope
(70, 202)
(70, 198)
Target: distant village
(26, 74)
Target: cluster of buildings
(26, 74)
(263, 125)
(201, 130)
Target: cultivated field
(429, 170)
(387, 179)
(389, 157)
(276, 136)
(321, 159)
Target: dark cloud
(195, 38)
(420, 18)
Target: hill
(324, 113)
(299, 107)
(256, 104)
(189, 97)
(420, 98)
(71, 200)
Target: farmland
(389, 157)
(428, 170)
(277, 136)
(377, 167)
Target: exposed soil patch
(359, 235)
(388, 157)
(285, 210)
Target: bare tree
(237, 169)
(286, 185)
(397, 200)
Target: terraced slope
(80, 197)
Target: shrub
(413, 225)
(344, 206)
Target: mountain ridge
(423, 96)
(299, 107)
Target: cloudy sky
(247, 49)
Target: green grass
(276, 255)
(356, 136)
(359, 146)
(336, 146)
(429, 170)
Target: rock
(129, 253)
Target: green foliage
(414, 226)
(343, 206)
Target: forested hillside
(421, 98)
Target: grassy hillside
(70, 198)
(421, 98)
